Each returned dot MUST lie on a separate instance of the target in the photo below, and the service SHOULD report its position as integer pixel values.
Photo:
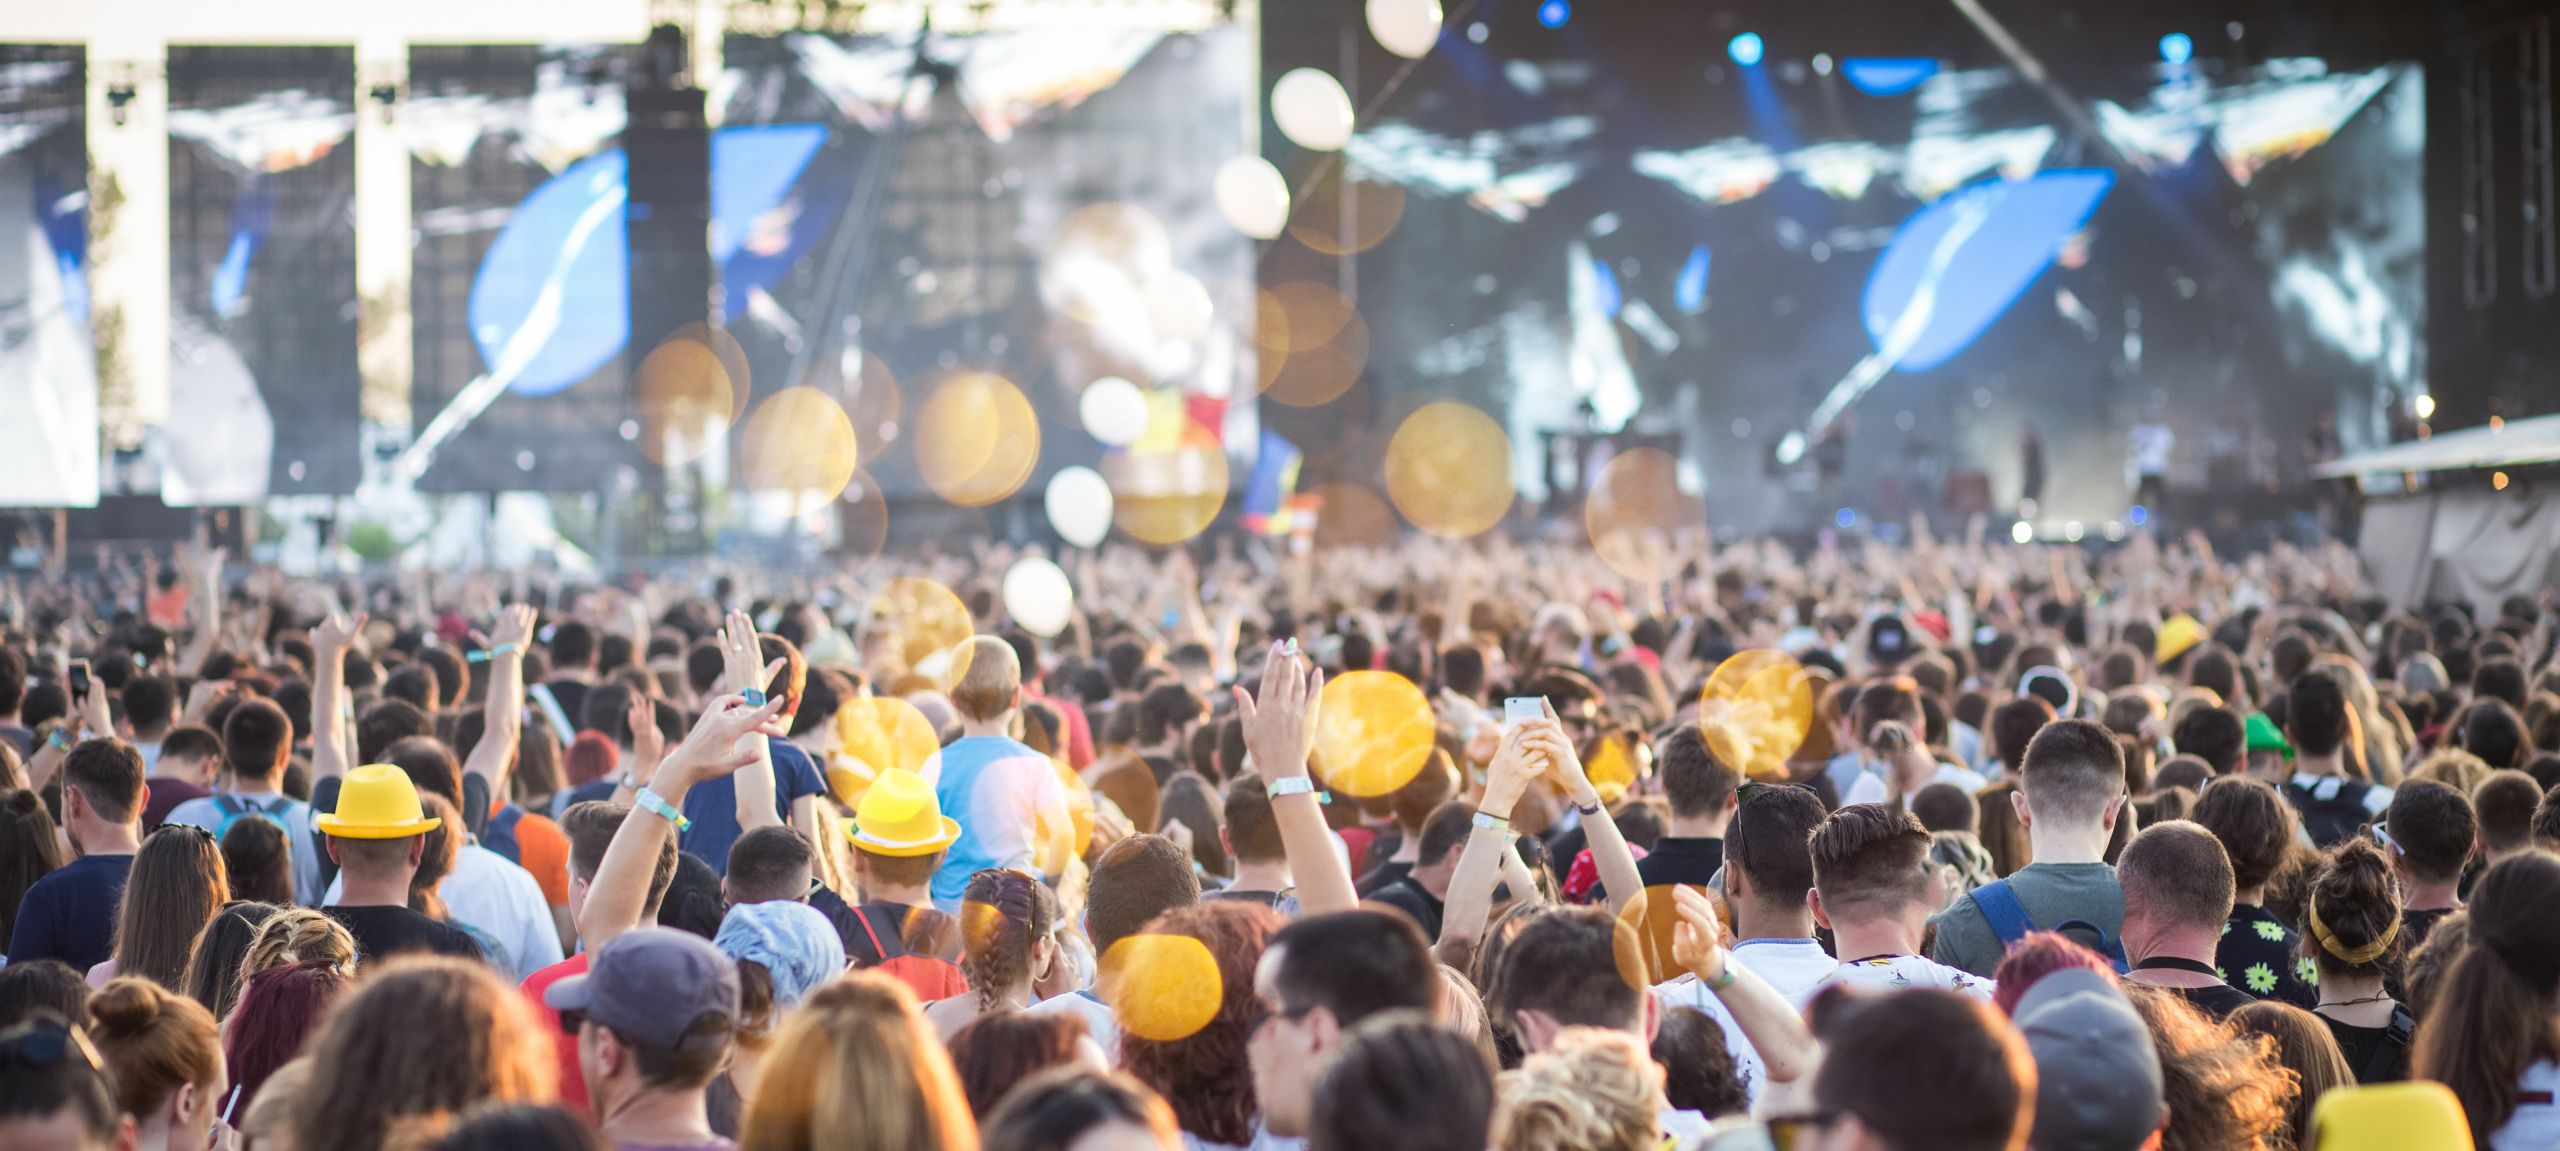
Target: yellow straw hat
(900, 817)
(377, 802)
(2177, 634)
(2390, 1117)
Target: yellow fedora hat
(377, 802)
(900, 817)
(2390, 1117)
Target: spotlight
(2176, 48)
(2138, 516)
(1554, 13)
(2425, 406)
(1745, 49)
(2022, 532)
(1845, 517)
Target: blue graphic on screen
(1888, 75)
(252, 212)
(1604, 283)
(1961, 262)
(555, 278)
(63, 215)
(1689, 292)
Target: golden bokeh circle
(1162, 987)
(1449, 470)
(1163, 495)
(1755, 711)
(799, 440)
(875, 734)
(1319, 219)
(1352, 516)
(1635, 508)
(922, 619)
(872, 399)
(1099, 258)
(1297, 315)
(862, 518)
(683, 400)
(976, 439)
(1373, 733)
(1312, 377)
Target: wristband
(1493, 823)
(60, 739)
(754, 696)
(492, 653)
(1594, 809)
(1725, 977)
(1296, 785)
(655, 804)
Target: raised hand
(1698, 941)
(514, 628)
(1280, 725)
(648, 744)
(742, 664)
(337, 634)
(712, 749)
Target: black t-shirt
(2258, 955)
(2217, 1000)
(1682, 860)
(1418, 905)
(1382, 875)
(2334, 807)
(2415, 926)
(573, 700)
(382, 932)
(2373, 1053)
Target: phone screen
(79, 681)
(1519, 709)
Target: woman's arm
(329, 644)
(1774, 1027)
(1488, 852)
(1279, 730)
(503, 713)
(620, 893)
(744, 670)
(1609, 851)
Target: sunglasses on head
(45, 1043)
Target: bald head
(990, 680)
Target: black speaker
(668, 218)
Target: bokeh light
(923, 624)
(1312, 110)
(1373, 733)
(1113, 410)
(799, 440)
(862, 517)
(871, 397)
(1079, 505)
(976, 439)
(1635, 508)
(1449, 470)
(1756, 709)
(684, 398)
(1161, 987)
(1178, 305)
(877, 733)
(1163, 493)
(1326, 344)
(1099, 260)
(1340, 216)
(1352, 516)
(1252, 196)
(1038, 595)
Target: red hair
(278, 1011)
(591, 757)
(2038, 955)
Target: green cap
(2263, 735)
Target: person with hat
(2098, 1080)
(2179, 634)
(655, 1014)
(899, 838)
(2269, 753)
(2389, 1117)
(377, 837)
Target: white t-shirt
(1870, 787)
(1895, 972)
(1796, 968)
(504, 903)
(1098, 1020)
(206, 812)
(2536, 1124)
(2151, 446)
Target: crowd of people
(1944, 845)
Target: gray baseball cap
(650, 986)
(2097, 1077)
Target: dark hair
(259, 857)
(108, 774)
(1188, 798)
(2179, 873)
(2072, 770)
(2503, 805)
(1565, 964)
(1164, 709)
(2315, 714)
(2433, 826)
(150, 703)
(1946, 807)
(1401, 1080)
(995, 1053)
(2014, 725)
(388, 722)
(279, 1010)
(1019, 911)
(1462, 669)
(2491, 730)
(590, 827)
(71, 1083)
(13, 680)
(452, 676)
(1975, 1088)
(1436, 783)
(213, 977)
(2493, 1018)
(770, 863)
(692, 900)
(2187, 771)
(175, 885)
(1445, 832)
(2254, 823)
(2500, 679)
(30, 849)
(413, 683)
(1135, 880)
(1698, 1070)
(607, 710)
(1693, 779)
(1869, 858)
(1769, 842)
(41, 987)
(256, 740)
(2215, 735)
(572, 644)
(2357, 905)
(520, 1127)
(1354, 964)
(1251, 831)
(1055, 1109)
(1206, 1073)
(193, 743)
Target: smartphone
(79, 681)
(1523, 708)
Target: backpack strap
(2112, 948)
(2384, 1063)
(228, 804)
(2000, 907)
(865, 921)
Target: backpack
(2009, 921)
(499, 834)
(234, 809)
(2390, 1059)
(930, 978)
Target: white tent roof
(2515, 443)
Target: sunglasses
(45, 1043)
(2382, 835)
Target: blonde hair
(856, 1068)
(2454, 768)
(990, 682)
(416, 1043)
(1462, 1011)
(1594, 1090)
(299, 935)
